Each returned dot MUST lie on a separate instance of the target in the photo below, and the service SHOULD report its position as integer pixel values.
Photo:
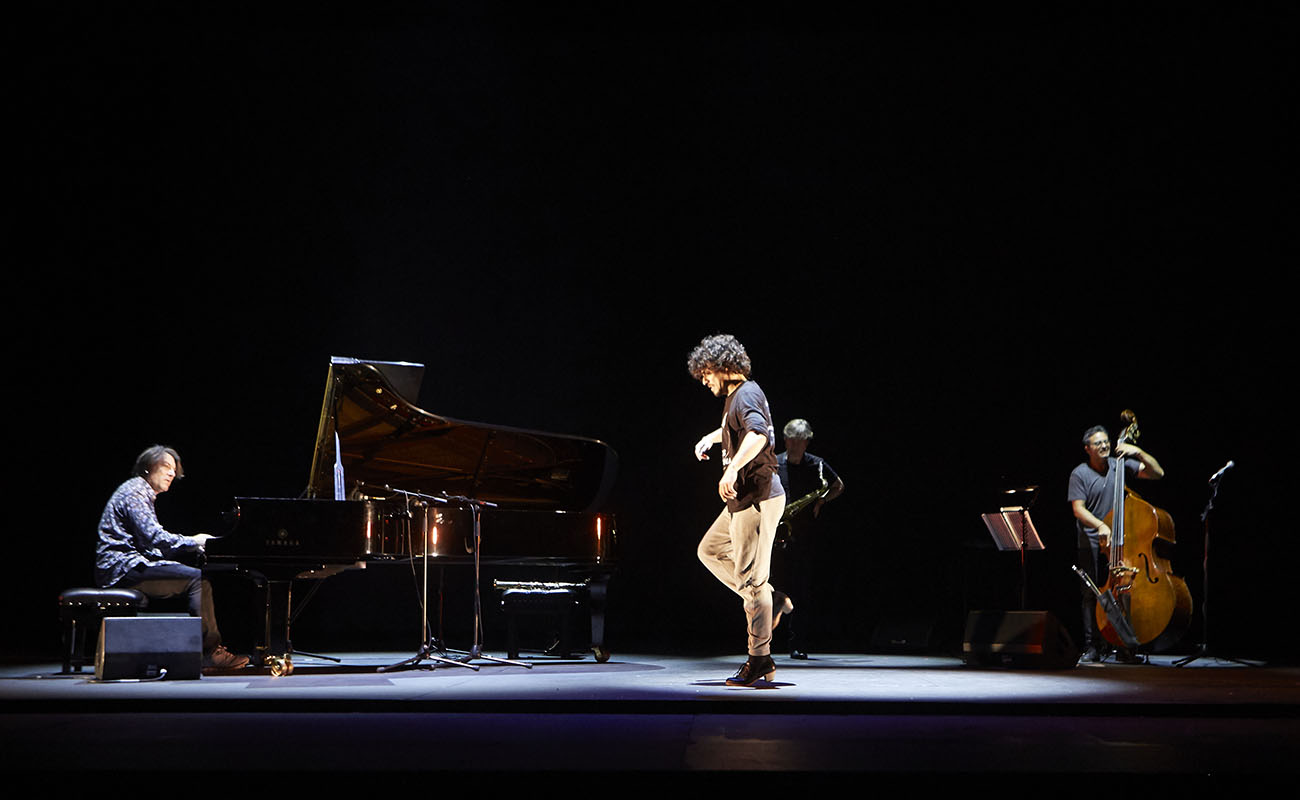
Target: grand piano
(391, 483)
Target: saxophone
(784, 531)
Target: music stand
(1012, 529)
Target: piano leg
(275, 649)
(596, 603)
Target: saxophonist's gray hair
(797, 429)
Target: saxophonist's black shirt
(800, 479)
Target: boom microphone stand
(476, 649)
(1203, 649)
(431, 644)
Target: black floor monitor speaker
(1030, 639)
(149, 647)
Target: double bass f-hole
(1148, 571)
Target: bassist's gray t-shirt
(1097, 491)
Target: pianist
(134, 550)
(737, 548)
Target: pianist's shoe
(754, 669)
(222, 660)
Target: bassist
(1091, 497)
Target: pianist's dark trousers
(163, 581)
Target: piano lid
(385, 440)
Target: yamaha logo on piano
(282, 539)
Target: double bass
(1155, 603)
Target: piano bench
(82, 610)
(556, 600)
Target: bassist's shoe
(1126, 656)
(754, 669)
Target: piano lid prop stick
(339, 493)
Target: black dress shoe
(754, 669)
(798, 654)
(1126, 656)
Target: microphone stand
(431, 644)
(1203, 649)
(476, 649)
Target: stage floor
(923, 717)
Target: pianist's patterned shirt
(130, 534)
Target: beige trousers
(737, 549)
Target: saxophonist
(810, 484)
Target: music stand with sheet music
(1012, 529)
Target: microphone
(1219, 474)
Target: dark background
(951, 247)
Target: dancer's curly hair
(718, 353)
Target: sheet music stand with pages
(1012, 529)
